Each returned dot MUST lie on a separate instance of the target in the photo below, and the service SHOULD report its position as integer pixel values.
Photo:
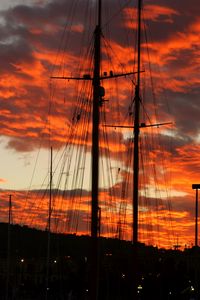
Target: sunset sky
(41, 38)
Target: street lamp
(196, 187)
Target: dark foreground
(162, 274)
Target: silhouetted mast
(95, 159)
(98, 94)
(95, 124)
(137, 100)
(8, 247)
(136, 132)
(49, 225)
(196, 187)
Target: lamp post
(196, 187)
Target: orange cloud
(154, 12)
(151, 12)
(26, 100)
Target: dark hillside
(163, 274)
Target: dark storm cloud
(29, 37)
(28, 32)
(24, 17)
(186, 107)
(30, 26)
(32, 29)
(186, 8)
(13, 52)
(184, 204)
(179, 23)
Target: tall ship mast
(98, 95)
(97, 250)
(94, 276)
(137, 100)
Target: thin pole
(99, 13)
(196, 220)
(94, 272)
(8, 247)
(95, 129)
(136, 133)
(50, 190)
(136, 162)
(49, 225)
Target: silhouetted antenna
(49, 224)
(196, 187)
(8, 247)
(177, 246)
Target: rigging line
(109, 167)
(108, 46)
(82, 155)
(129, 33)
(158, 190)
(152, 84)
(28, 191)
(58, 185)
(86, 131)
(34, 200)
(169, 204)
(134, 67)
(117, 13)
(150, 70)
(153, 171)
(164, 168)
(107, 29)
(103, 204)
(83, 37)
(73, 200)
(108, 164)
(125, 185)
(58, 163)
(129, 113)
(72, 134)
(157, 193)
(146, 26)
(148, 216)
(35, 165)
(122, 214)
(71, 12)
(66, 159)
(73, 186)
(83, 61)
(81, 53)
(123, 122)
(69, 24)
(81, 178)
(38, 193)
(145, 112)
(143, 166)
(87, 120)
